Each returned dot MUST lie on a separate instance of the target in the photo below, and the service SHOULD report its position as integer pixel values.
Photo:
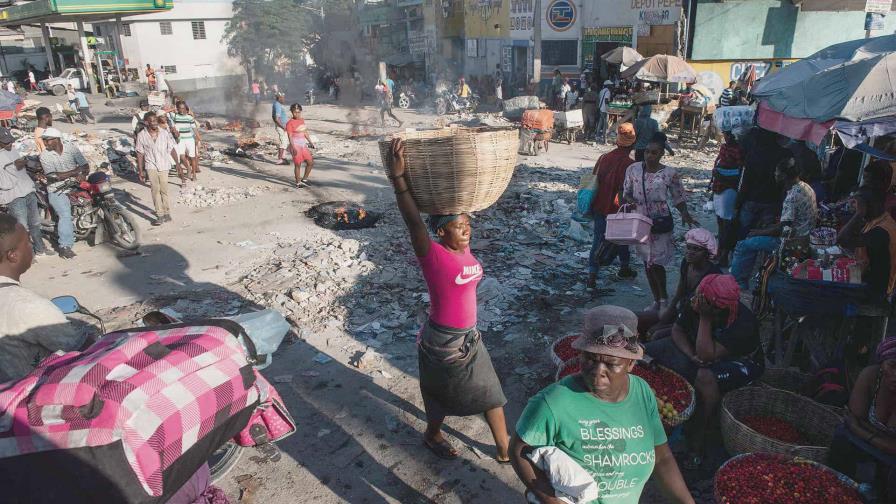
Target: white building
(185, 42)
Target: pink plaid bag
(131, 418)
(269, 422)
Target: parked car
(57, 85)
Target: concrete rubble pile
(198, 196)
(367, 281)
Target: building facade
(185, 43)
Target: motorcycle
(449, 102)
(95, 210)
(406, 97)
(266, 328)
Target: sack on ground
(571, 482)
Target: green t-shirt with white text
(612, 441)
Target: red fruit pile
(775, 428)
(570, 368)
(668, 386)
(563, 348)
(762, 478)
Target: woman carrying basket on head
(456, 373)
(649, 185)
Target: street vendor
(700, 247)
(797, 221)
(456, 373)
(716, 347)
(869, 432)
(604, 418)
(649, 185)
(877, 244)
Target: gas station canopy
(66, 11)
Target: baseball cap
(51, 133)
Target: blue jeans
(755, 215)
(27, 213)
(64, 227)
(745, 257)
(600, 229)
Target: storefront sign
(521, 18)
(879, 6)
(561, 15)
(621, 34)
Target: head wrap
(721, 291)
(702, 238)
(886, 350)
(625, 135)
(437, 222)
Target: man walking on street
(603, 102)
(83, 106)
(256, 92)
(44, 121)
(610, 171)
(155, 150)
(17, 191)
(187, 138)
(280, 116)
(63, 161)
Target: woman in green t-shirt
(604, 418)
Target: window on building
(169, 69)
(165, 27)
(126, 29)
(559, 52)
(198, 30)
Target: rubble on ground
(198, 196)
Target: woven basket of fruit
(675, 397)
(562, 350)
(759, 419)
(766, 478)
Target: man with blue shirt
(280, 115)
(83, 106)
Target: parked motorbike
(406, 97)
(448, 102)
(95, 211)
(266, 329)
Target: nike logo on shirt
(469, 274)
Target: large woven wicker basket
(457, 170)
(813, 420)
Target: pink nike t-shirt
(451, 279)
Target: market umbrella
(661, 68)
(622, 55)
(852, 81)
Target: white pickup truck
(57, 85)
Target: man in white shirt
(17, 191)
(155, 151)
(31, 327)
(603, 102)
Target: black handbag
(663, 223)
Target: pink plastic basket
(628, 228)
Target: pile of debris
(198, 196)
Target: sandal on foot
(502, 462)
(443, 450)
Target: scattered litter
(322, 358)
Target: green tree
(264, 33)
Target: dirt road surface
(351, 293)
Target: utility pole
(536, 28)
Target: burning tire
(341, 215)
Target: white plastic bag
(577, 232)
(571, 482)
